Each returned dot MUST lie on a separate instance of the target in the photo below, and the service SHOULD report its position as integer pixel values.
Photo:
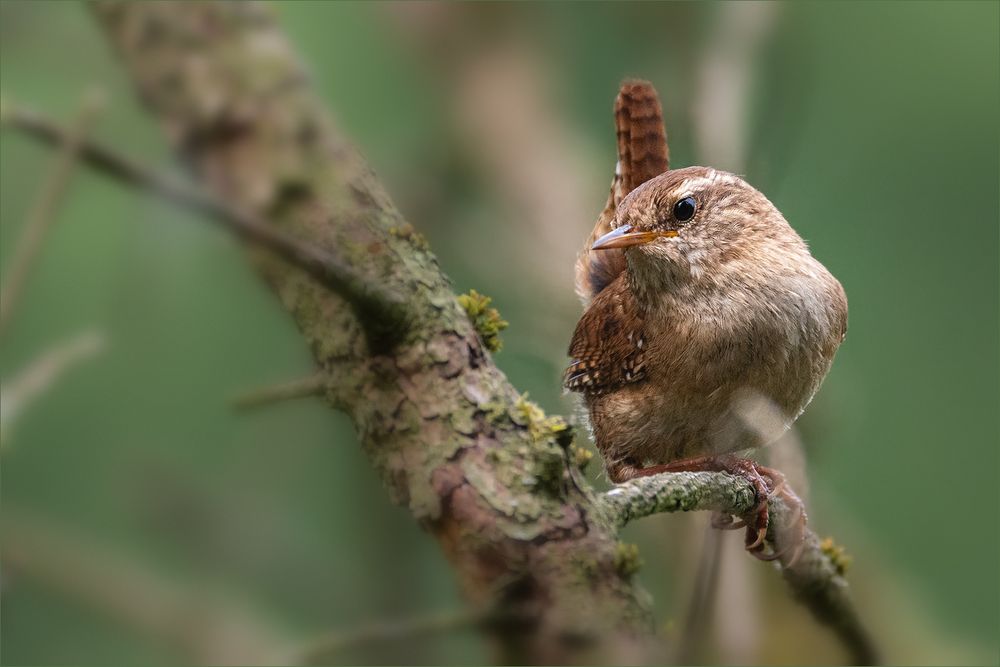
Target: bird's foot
(767, 482)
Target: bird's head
(692, 222)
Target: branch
(300, 388)
(41, 374)
(324, 649)
(678, 492)
(377, 305)
(46, 204)
(814, 578)
(484, 470)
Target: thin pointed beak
(623, 237)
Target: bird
(699, 296)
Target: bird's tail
(642, 154)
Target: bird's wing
(608, 347)
(642, 154)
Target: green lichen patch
(550, 436)
(541, 427)
(487, 320)
(582, 457)
(408, 232)
(838, 556)
(627, 560)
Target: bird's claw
(768, 483)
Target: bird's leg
(766, 482)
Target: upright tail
(642, 154)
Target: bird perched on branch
(699, 297)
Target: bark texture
(484, 470)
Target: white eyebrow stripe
(689, 186)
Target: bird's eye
(684, 209)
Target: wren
(698, 295)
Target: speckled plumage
(732, 307)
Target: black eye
(684, 209)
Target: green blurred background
(145, 521)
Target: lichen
(627, 560)
(408, 232)
(582, 457)
(487, 320)
(838, 556)
(541, 427)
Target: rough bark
(481, 468)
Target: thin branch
(314, 385)
(816, 583)
(814, 578)
(375, 304)
(325, 648)
(678, 492)
(46, 204)
(41, 374)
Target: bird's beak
(623, 237)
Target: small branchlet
(487, 320)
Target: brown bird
(699, 298)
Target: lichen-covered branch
(483, 469)
(815, 579)
(678, 492)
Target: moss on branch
(487, 320)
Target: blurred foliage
(873, 127)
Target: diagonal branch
(375, 304)
(40, 375)
(46, 204)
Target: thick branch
(377, 305)
(483, 469)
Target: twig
(300, 388)
(326, 647)
(678, 492)
(41, 374)
(375, 304)
(817, 584)
(814, 579)
(43, 210)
